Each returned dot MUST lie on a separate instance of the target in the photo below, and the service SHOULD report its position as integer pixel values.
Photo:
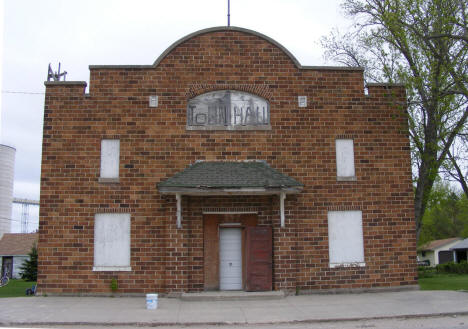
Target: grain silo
(7, 166)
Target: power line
(130, 98)
(86, 96)
(15, 220)
(22, 92)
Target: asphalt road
(452, 322)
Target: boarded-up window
(112, 242)
(110, 153)
(345, 159)
(345, 238)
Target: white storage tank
(7, 170)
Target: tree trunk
(423, 190)
(427, 171)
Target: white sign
(153, 101)
(302, 101)
(228, 108)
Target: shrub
(426, 272)
(451, 267)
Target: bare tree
(455, 168)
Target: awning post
(179, 210)
(282, 197)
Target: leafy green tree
(29, 267)
(424, 45)
(446, 215)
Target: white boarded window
(345, 159)
(345, 238)
(112, 242)
(110, 153)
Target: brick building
(225, 165)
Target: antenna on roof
(51, 75)
(229, 13)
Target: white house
(14, 250)
(460, 251)
(437, 251)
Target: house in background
(460, 251)
(14, 250)
(437, 251)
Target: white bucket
(151, 301)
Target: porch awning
(224, 178)
(229, 178)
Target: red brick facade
(155, 145)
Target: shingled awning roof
(218, 178)
(229, 178)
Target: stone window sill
(346, 178)
(232, 128)
(112, 268)
(354, 264)
(108, 180)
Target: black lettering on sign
(228, 108)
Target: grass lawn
(441, 281)
(15, 288)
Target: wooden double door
(237, 253)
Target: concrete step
(232, 295)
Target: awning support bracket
(282, 197)
(179, 210)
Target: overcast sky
(90, 32)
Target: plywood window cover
(360, 250)
(110, 161)
(117, 268)
(345, 161)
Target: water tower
(7, 168)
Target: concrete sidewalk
(314, 308)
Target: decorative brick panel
(201, 88)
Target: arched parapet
(202, 32)
(222, 29)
